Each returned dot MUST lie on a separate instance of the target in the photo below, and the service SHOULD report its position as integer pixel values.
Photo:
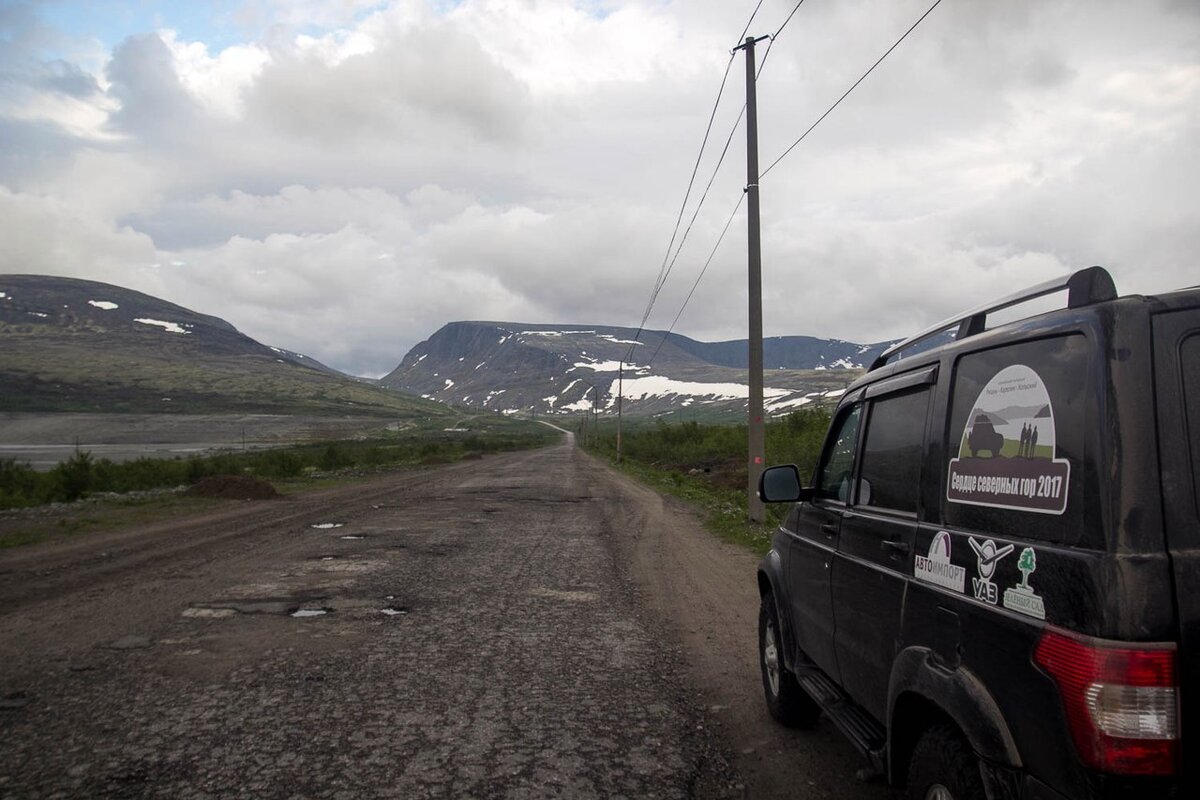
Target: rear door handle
(829, 529)
(901, 548)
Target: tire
(786, 700)
(943, 767)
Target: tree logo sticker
(1006, 458)
(1021, 597)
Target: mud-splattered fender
(771, 578)
(918, 683)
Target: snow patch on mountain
(654, 386)
(169, 327)
(614, 339)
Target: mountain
(76, 345)
(552, 369)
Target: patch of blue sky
(600, 9)
(112, 21)
(217, 23)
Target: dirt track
(528, 625)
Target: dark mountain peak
(73, 306)
(77, 345)
(74, 301)
(550, 368)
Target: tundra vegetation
(82, 475)
(705, 464)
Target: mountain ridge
(516, 367)
(68, 344)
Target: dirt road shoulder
(704, 592)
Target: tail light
(1121, 700)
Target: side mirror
(782, 485)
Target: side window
(892, 452)
(837, 466)
(1189, 365)
(1015, 449)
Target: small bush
(73, 478)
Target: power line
(851, 89)
(665, 272)
(781, 27)
(664, 269)
(699, 277)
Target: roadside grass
(705, 465)
(33, 525)
(297, 467)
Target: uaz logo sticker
(988, 556)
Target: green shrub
(71, 479)
(19, 484)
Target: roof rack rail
(1084, 287)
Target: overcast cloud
(341, 179)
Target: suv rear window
(1015, 445)
(1189, 366)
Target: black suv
(992, 585)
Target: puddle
(15, 700)
(302, 613)
(394, 611)
(352, 537)
(324, 526)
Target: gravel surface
(498, 628)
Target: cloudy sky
(342, 177)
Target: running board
(859, 727)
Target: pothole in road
(209, 613)
(565, 594)
(222, 609)
(15, 700)
(303, 613)
(324, 526)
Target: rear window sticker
(988, 555)
(1006, 458)
(1021, 597)
(936, 567)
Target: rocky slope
(557, 369)
(75, 345)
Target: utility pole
(757, 437)
(620, 397)
(595, 416)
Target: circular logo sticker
(1006, 457)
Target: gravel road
(526, 625)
